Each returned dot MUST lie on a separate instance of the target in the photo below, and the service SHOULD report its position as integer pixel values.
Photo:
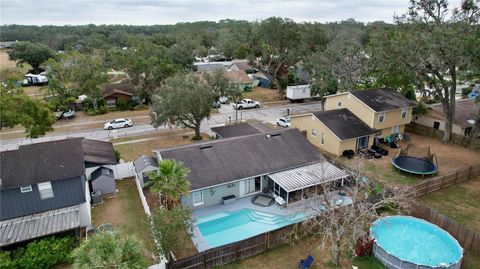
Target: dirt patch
(264, 95)
(5, 62)
(125, 213)
(449, 158)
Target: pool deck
(309, 207)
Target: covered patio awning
(36, 225)
(308, 176)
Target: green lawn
(288, 256)
(460, 202)
(125, 213)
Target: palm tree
(170, 181)
(109, 249)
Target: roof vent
(273, 135)
(205, 146)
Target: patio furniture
(280, 201)
(230, 199)
(263, 200)
(305, 264)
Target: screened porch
(300, 183)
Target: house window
(26, 188)
(381, 117)
(197, 198)
(45, 190)
(322, 138)
(250, 186)
(436, 125)
(314, 132)
(362, 142)
(339, 103)
(111, 102)
(404, 113)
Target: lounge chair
(305, 264)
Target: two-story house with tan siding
(335, 131)
(383, 109)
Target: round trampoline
(416, 160)
(402, 242)
(414, 165)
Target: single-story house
(43, 191)
(212, 66)
(335, 130)
(143, 165)
(282, 163)
(103, 180)
(243, 65)
(7, 44)
(240, 79)
(262, 79)
(234, 130)
(117, 92)
(382, 109)
(466, 112)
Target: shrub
(118, 156)
(123, 105)
(43, 253)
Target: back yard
(450, 157)
(125, 213)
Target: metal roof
(36, 225)
(307, 176)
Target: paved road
(227, 114)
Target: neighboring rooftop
(52, 160)
(383, 99)
(98, 152)
(32, 226)
(41, 162)
(238, 77)
(122, 88)
(343, 123)
(465, 112)
(242, 65)
(102, 171)
(235, 130)
(144, 161)
(231, 159)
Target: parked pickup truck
(246, 103)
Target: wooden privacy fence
(235, 251)
(461, 140)
(441, 182)
(469, 239)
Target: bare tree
(340, 225)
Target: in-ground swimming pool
(407, 242)
(228, 227)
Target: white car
(118, 123)
(246, 103)
(284, 122)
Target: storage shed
(103, 180)
(143, 165)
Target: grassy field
(460, 202)
(125, 213)
(264, 95)
(147, 143)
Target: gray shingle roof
(98, 152)
(465, 110)
(383, 99)
(102, 171)
(227, 160)
(343, 123)
(41, 162)
(235, 130)
(143, 161)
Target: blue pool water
(417, 241)
(224, 228)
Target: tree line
(428, 49)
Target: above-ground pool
(414, 165)
(403, 242)
(228, 227)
